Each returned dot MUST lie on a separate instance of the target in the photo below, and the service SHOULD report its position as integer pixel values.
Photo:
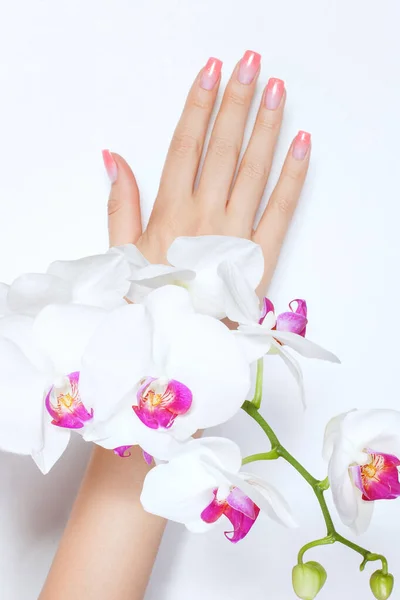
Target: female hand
(220, 204)
(108, 523)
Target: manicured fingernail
(211, 73)
(301, 145)
(110, 165)
(249, 66)
(273, 93)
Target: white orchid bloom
(262, 332)
(203, 482)
(194, 264)
(40, 402)
(156, 372)
(100, 280)
(363, 449)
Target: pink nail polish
(249, 66)
(301, 145)
(273, 93)
(110, 165)
(211, 73)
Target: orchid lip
(237, 507)
(160, 401)
(378, 478)
(64, 404)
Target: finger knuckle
(223, 147)
(268, 125)
(201, 104)
(184, 144)
(283, 204)
(255, 171)
(235, 98)
(293, 175)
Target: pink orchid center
(237, 507)
(64, 404)
(379, 478)
(294, 320)
(161, 400)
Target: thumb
(124, 221)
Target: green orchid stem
(319, 486)
(259, 384)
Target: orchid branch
(319, 486)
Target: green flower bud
(308, 580)
(381, 585)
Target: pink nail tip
(274, 93)
(211, 73)
(304, 137)
(110, 165)
(301, 145)
(249, 66)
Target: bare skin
(110, 543)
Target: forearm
(110, 543)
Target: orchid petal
(154, 276)
(118, 431)
(241, 301)
(293, 367)
(290, 321)
(304, 346)
(19, 329)
(205, 356)
(167, 306)
(301, 307)
(213, 511)
(132, 255)
(30, 293)
(100, 280)
(378, 429)
(265, 496)
(253, 342)
(241, 523)
(239, 501)
(55, 442)
(203, 252)
(353, 511)
(21, 401)
(267, 308)
(115, 359)
(179, 490)
(332, 432)
(203, 255)
(62, 332)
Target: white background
(81, 75)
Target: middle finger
(227, 135)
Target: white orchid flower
(100, 280)
(203, 483)
(155, 373)
(262, 332)
(40, 403)
(363, 449)
(194, 264)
